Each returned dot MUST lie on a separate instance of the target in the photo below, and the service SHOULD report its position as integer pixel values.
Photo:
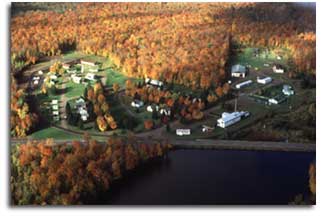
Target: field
(247, 57)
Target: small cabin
(137, 103)
(183, 132)
(238, 71)
(264, 80)
(278, 68)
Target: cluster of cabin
(86, 66)
(162, 110)
(55, 110)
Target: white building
(82, 109)
(54, 102)
(40, 72)
(183, 132)
(287, 90)
(90, 76)
(83, 113)
(35, 82)
(71, 71)
(149, 108)
(53, 77)
(278, 69)
(36, 78)
(273, 101)
(165, 111)
(243, 84)
(66, 66)
(137, 103)
(95, 70)
(264, 80)
(76, 79)
(88, 62)
(55, 113)
(228, 119)
(238, 71)
(153, 82)
(55, 107)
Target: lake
(215, 177)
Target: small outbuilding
(278, 68)
(238, 71)
(287, 90)
(90, 76)
(243, 84)
(137, 103)
(183, 132)
(264, 80)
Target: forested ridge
(184, 43)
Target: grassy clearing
(246, 57)
(113, 76)
(74, 90)
(54, 133)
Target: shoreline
(207, 144)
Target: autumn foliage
(45, 173)
(21, 119)
(184, 43)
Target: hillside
(184, 43)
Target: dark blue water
(216, 177)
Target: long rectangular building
(228, 119)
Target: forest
(44, 172)
(182, 43)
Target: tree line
(44, 172)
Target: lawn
(54, 133)
(113, 76)
(246, 57)
(74, 89)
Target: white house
(90, 76)
(88, 62)
(273, 101)
(40, 72)
(53, 77)
(243, 84)
(55, 107)
(35, 82)
(238, 71)
(137, 103)
(66, 66)
(278, 69)
(55, 112)
(83, 113)
(76, 79)
(264, 80)
(287, 90)
(93, 70)
(277, 99)
(183, 132)
(149, 108)
(54, 102)
(153, 82)
(80, 102)
(228, 119)
(165, 111)
(71, 71)
(82, 109)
